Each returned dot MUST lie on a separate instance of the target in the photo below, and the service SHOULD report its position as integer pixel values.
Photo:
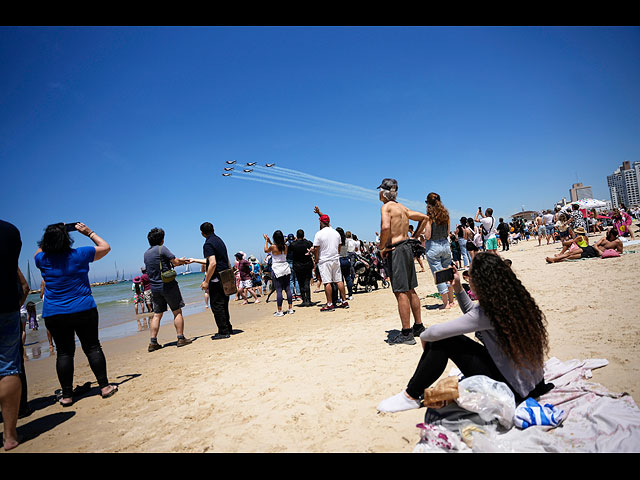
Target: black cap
(389, 184)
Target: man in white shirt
(548, 218)
(489, 227)
(326, 245)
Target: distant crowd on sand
(464, 262)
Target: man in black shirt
(216, 261)
(302, 263)
(503, 231)
(10, 332)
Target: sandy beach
(310, 382)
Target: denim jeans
(439, 257)
(293, 281)
(463, 251)
(10, 341)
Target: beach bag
(228, 280)
(168, 275)
(610, 252)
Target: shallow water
(118, 318)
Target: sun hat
(137, 280)
(580, 230)
(253, 259)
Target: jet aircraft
(270, 164)
(231, 162)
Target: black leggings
(63, 329)
(282, 283)
(304, 276)
(472, 358)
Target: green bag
(168, 275)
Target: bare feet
(10, 443)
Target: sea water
(117, 316)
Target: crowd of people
(338, 263)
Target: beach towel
(530, 413)
(595, 419)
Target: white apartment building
(624, 185)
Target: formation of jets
(246, 170)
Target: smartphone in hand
(70, 227)
(443, 276)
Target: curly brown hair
(436, 210)
(519, 323)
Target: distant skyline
(128, 128)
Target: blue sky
(128, 128)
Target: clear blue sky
(128, 128)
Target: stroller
(368, 274)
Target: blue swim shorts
(10, 339)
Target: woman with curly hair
(506, 320)
(436, 233)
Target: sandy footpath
(310, 382)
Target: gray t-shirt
(152, 262)
(523, 380)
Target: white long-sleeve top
(522, 379)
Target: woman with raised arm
(68, 307)
(280, 268)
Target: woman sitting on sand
(576, 248)
(69, 308)
(506, 320)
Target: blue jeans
(463, 251)
(294, 285)
(10, 341)
(439, 257)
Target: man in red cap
(395, 248)
(326, 245)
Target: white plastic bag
(488, 398)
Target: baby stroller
(368, 274)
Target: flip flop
(111, 393)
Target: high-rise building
(624, 185)
(579, 191)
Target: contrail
(289, 178)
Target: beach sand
(310, 382)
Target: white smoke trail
(289, 178)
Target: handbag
(228, 280)
(168, 275)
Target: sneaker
(418, 328)
(154, 346)
(291, 311)
(344, 305)
(401, 339)
(183, 341)
(328, 308)
(398, 403)
(220, 336)
(350, 297)
(278, 314)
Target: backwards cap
(389, 184)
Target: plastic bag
(488, 398)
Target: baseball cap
(389, 184)
(324, 218)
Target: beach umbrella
(591, 203)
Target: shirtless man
(610, 242)
(397, 251)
